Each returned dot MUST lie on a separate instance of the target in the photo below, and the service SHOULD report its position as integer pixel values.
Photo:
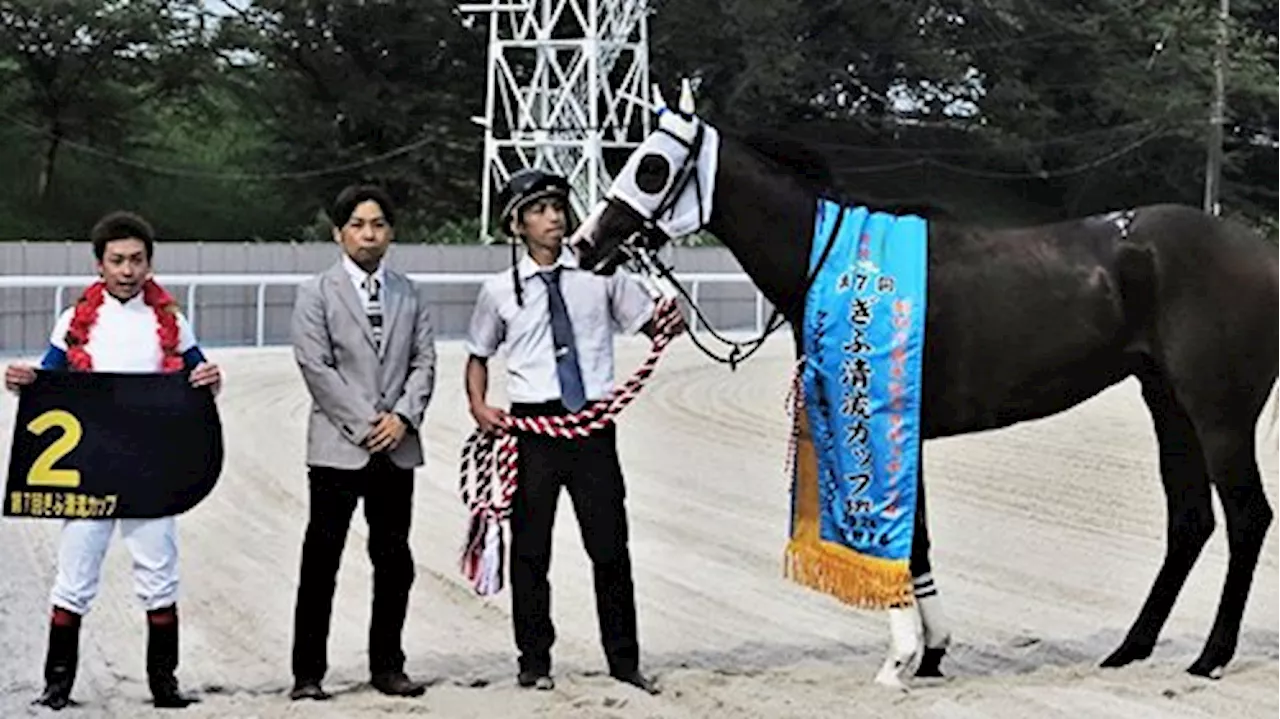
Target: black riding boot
(61, 659)
(162, 659)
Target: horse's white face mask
(670, 178)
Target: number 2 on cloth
(42, 473)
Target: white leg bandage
(904, 630)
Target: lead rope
(794, 406)
(488, 468)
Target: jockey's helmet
(526, 186)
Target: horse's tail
(1270, 236)
(1274, 401)
(1275, 387)
(1275, 406)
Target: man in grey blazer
(363, 339)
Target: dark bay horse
(1021, 324)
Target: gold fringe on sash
(861, 580)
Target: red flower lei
(86, 315)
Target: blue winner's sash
(854, 495)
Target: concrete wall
(226, 315)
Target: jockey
(557, 322)
(114, 328)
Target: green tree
(81, 68)
(381, 91)
(1004, 110)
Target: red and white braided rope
(488, 468)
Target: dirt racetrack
(1046, 538)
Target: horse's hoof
(891, 675)
(1126, 654)
(1206, 668)
(931, 663)
(892, 681)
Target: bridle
(643, 259)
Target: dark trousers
(588, 468)
(387, 491)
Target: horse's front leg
(904, 647)
(937, 632)
(937, 635)
(908, 626)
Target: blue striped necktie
(572, 394)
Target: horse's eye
(652, 173)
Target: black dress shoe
(638, 680)
(309, 690)
(55, 697)
(175, 700)
(165, 694)
(539, 681)
(396, 684)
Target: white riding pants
(153, 543)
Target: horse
(1021, 323)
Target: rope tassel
(482, 559)
(489, 463)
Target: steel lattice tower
(567, 90)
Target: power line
(1002, 145)
(999, 175)
(231, 176)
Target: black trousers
(588, 468)
(387, 491)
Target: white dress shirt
(360, 278)
(125, 337)
(597, 305)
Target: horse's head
(662, 192)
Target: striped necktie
(373, 308)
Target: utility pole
(1217, 116)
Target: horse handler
(127, 323)
(557, 322)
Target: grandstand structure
(567, 88)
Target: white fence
(692, 281)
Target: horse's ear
(680, 120)
(686, 98)
(659, 105)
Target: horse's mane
(810, 168)
(792, 156)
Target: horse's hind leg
(1229, 451)
(1190, 516)
(1223, 397)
